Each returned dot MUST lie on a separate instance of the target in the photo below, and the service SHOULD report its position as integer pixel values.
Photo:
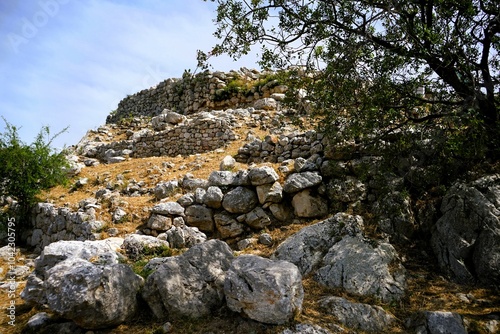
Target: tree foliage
(26, 170)
(362, 63)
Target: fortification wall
(202, 91)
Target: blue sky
(69, 62)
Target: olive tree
(26, 170)
(365, 65)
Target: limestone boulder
(119, 216)
(363, 267)
(268, 291)
(159, 222)
(201, 217)
(300, 181)
(302, 165)
(191, 284)
(240, 200)
(165, 189)
(281, 211)
(227, 226)
(262, 175)
(168, 208)
(265, 104)
(466, 239)
(270, 193)
(358, 316)
(61, 250)
(100, 251)
(257, 218)
(213, 197)
(173, 117)
(307, 247)
(395, 216)
(227, 163)
(437, 322)
(186, 200)
(92, 296)
(190, 183)
(222, 178)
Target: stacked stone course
(196, 92)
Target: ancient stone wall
(194, 134)
(51, 224)
(202, 91)
(280, 148)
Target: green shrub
(26, 170)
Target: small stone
(227, 163)
(245, 243)
(266, 239)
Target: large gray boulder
(168, 208)
(268, 291)
(307, 247)
(213, 197)
(437, 322)
(395, 215)
(240, 200)
(262, 175)
(165, 189)
(93, 296)
(173, 117)
(227, 163)
(364, 268)
(227, 226)
(466, 239)
(300, 181)
(190, 183)
(201, 217)
(265, 104)
(222, 178)
(62, 250)
(191, 284)
(257, 218)
(270, 192)
(159, 222)
(101, 251)
(281, 211)
(358, 316)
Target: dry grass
(23, 312)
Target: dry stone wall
(51, 224)
(204, 134)
(198, 133)
(280, 148)
(202, 91)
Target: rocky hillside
(204, 205)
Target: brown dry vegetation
(427, 289)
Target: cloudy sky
(69, 62)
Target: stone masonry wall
(193, 93)
(202, 135)
(51, 224)
(194, 134)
